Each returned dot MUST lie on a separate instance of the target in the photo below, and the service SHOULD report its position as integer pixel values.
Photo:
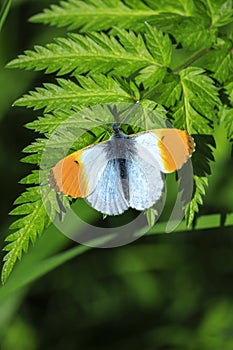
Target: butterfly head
(117, 134)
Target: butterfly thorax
(120, 146)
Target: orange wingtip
(68, 177)
(176, 146)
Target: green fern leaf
(49, 122)
(220, 12)
(200, 184)
(68, 94)
(160, 47)
(194, 34)
(94, 54)
(226, 118)
(101, 15)
(220, 60)
(170, 91)
(31, 179)
(28, 228)
(196, 109)
(193, 101)
(183, 7)
(229, 89)
(31, 195)
(200, 99)
(201, 167)
(100, 53)
(31, 159)
(34, 220)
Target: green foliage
(194, 34)
(226, 118)
(195, 98)
(193, 207)
(174, 53)
(68, 93)
(101, 14)
(35, 220)
(220, 60)
(220, 12)
(4, 9)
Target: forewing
(77, 175)
(171, 148)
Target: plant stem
(191, 60)
(5, 8)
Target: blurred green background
(162, 292)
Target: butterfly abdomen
(123, 164)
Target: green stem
(191, 60)
(151, 91)
(4, 12)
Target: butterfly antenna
(100, 122)
(129, 110)
(117, 114)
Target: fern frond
(183, 7)
(194, 34)
(200, 185)
(220, 60)
(229, 89)
(193, 101)
(200, 99)
(101, 53)
(68, 94)
(101, 15)
(195, 98)
(170, 91)
(49, 122)
(226, 118)
(31, 205)
(220, 12)
(34, 221)
(201, 31)
(160, 47)
(201, 167)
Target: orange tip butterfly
(125, 171)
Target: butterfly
(124, 171)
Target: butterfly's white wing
(160, 150)
(108, 196)
(170, 148)
(77, 174)
(145, 183)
